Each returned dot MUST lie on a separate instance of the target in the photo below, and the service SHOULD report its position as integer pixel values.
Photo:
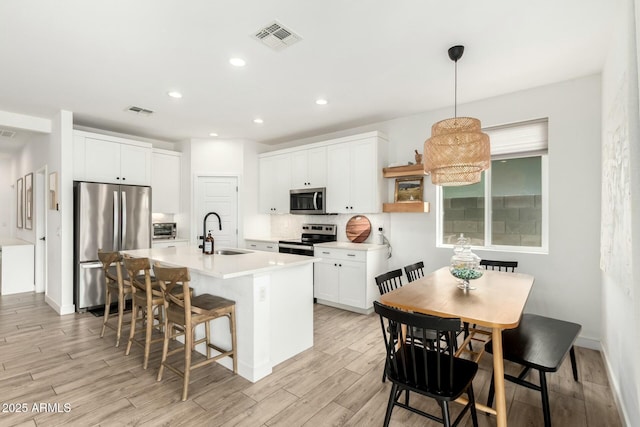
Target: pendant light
(458, 151)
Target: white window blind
(527, 137)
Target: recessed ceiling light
(175, 94)
(213, 134)
(258, 121)
(321, 101)
(237, 62)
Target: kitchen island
(274, 301)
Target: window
(507, 209)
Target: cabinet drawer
(262, 246)
(340, 254)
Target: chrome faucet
(204, 227)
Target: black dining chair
(415, 368)
(508, 266)
(489, 264)
(539, 343)
(389, 281)
(414, 271)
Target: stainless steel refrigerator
(110, 217)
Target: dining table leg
(498, 378)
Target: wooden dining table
(496, 303)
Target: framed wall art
(53, 191)
(19, 203)
(409, 190)
(28, 201)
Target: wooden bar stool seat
(115, 284)
(183, 313)
(147, 306)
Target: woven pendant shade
(457, 152)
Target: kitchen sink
(230, 252)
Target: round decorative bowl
(465, 275)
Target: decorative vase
(465, 265)
(418, 158)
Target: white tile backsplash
(290, 225)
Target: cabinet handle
(123, 178)
(335, 265)
(117, 177)
(339, 265)
(326, 253)
(351, 254)
(269, 247)
(253, 246)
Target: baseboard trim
(61, 310)
(615, 388)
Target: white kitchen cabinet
(169, 243)
(262, 245)
(165, 181)
(309, 168)
(345, 278)
(103, 158)
(275, 183)
(354, 178)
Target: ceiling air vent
(7, 133)
(139, 110)
(276, 36)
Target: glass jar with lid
(465, 265)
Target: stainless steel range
(311, 234)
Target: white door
(218, 194)
(40, 213)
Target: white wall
(570, 271)
(7, 198)
(59, 293)
(621, 292)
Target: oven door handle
(288, 246)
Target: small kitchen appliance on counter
(311, 234)
(164, 230)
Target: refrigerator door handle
(86, 265)
(124, 219)
(116, 217)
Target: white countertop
(11, 241)
(222, 266)
(351, 246)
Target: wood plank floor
(58, 371)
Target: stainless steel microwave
(164, 230)
(308, 201)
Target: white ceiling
(372, 59)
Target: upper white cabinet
(354, 180)
(309, 168)
(103, 158)
(349, 168)
(165, 181)
(275, 183)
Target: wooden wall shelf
(399, 171)
(406, 207)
